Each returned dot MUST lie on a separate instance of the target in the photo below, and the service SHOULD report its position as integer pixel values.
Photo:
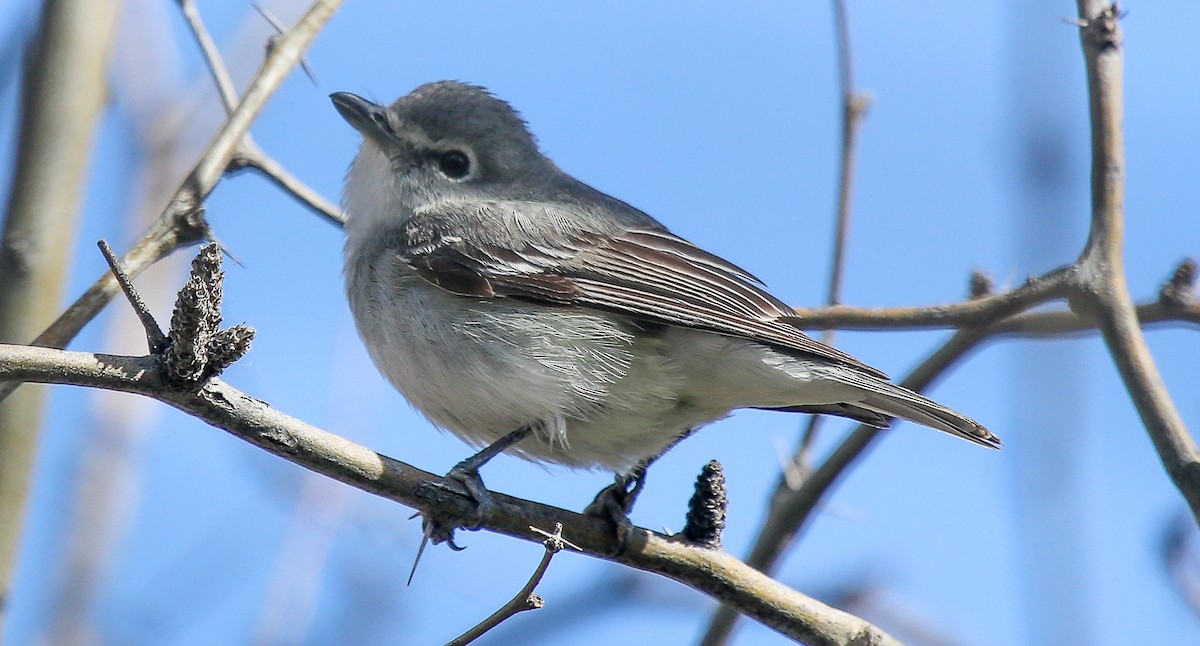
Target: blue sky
(721, 122)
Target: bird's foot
(438, 525)
(615, 502)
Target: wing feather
(646, 274)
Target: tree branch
(525, 599)
(791, 509)
(999, 314)
(1101, 289)
(182, 222)
(249, 155)
(709, 571)
(854, 108)
(975, 312)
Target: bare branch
(1057, 324)
(182, 222)
(279, 28)
(854, 108)
(156, 341)
(710, 571)
(249, 154)
(791, 510)
(253, 157)
(1003, 318)
(212, 57)
(1100, 284)
(525, 599)
(970, 313)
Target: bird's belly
(482, 369)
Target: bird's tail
(897, 401)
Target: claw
(615, 501)
(440, 529)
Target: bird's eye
(454, 164)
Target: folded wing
(647, 274)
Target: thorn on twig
(199, 349)
(155, 339)
(706, 509)
(981, 285)
(1180, 289)
(279, 31)
(526, 599)
(190, 225)
(554, 540)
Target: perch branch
(710, 571)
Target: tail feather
(897, 401)
(859, 414)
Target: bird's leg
(466, 473)
(615, 501)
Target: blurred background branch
(182, 223)
(63, 92)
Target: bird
(523, 310)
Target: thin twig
(525, 599)
(155, 339)
(1059, 324)
(1007, 312)
(973, 312)
(253, 157)
(795, 510)
(211, 55)
(278, 27)
(249, 154)
(854, 107)
(790, 513)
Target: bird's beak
(368, 118)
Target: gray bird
(500, 295)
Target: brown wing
(651, 275)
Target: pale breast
(484, 368)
